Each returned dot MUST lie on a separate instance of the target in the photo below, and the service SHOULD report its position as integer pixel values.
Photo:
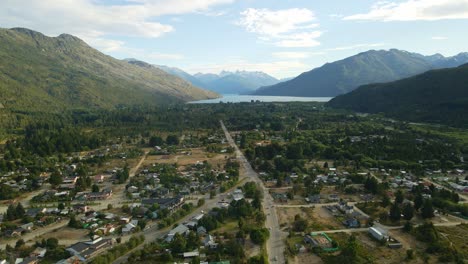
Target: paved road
(275, 244)
(310, 205)
(153, 233)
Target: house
(209, 242)
(180, 229)
(169, 203)
(281, 197)
(107, 229)
(99, 178)
(378, 233)
(93, 196)
(28, 226)
(125, 220)
(191, 224)
(28, 260)
(237, 195)
(132, 189)
(109, 216)
(333, 197)
(33, 212)
(197, 218)
(191, 254)
(39, 252)
(81, 208)
(70, 180)
(14, 233)
(201, 230)
(160, 192)
(313, 198)
(352, 223)
(87, 250)
(128, 228)
(349, 209)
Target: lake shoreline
(234, 98)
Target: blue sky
(280, 37)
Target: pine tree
(399, 197)
(395, 212)
(418, 201)
(427, 211)
(11, 213)
(408, 211)
(55, 178)
(20, 212)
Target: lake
(234, 98)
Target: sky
(280, 37)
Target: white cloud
(356, 46)
(285, 28)
(106, 45)
(301, 40)
(295, 55)
(412, 10)
(274, 23)
(439, 38)
(96, 22)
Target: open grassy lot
(457, 236)
(189, 157)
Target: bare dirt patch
(67, 236)
(305, 258)
(322, 219)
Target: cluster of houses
(462, 186)
(352, 218)
(42, 217)
(94, 196)
(192, 225)
(33, 258)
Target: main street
(275, 243)
(153, 233)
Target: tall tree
(418, 201)
(399, 197)
(408, 211)
(20, 212)
(427, 211)
(55, 178)
(395, 212)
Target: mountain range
(226, 82)
(439, 96)
(373, 66)
(51, 73)
(238, 82)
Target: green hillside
(439, 96)
(373, 66)
(54, 73)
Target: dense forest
(439, 96)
